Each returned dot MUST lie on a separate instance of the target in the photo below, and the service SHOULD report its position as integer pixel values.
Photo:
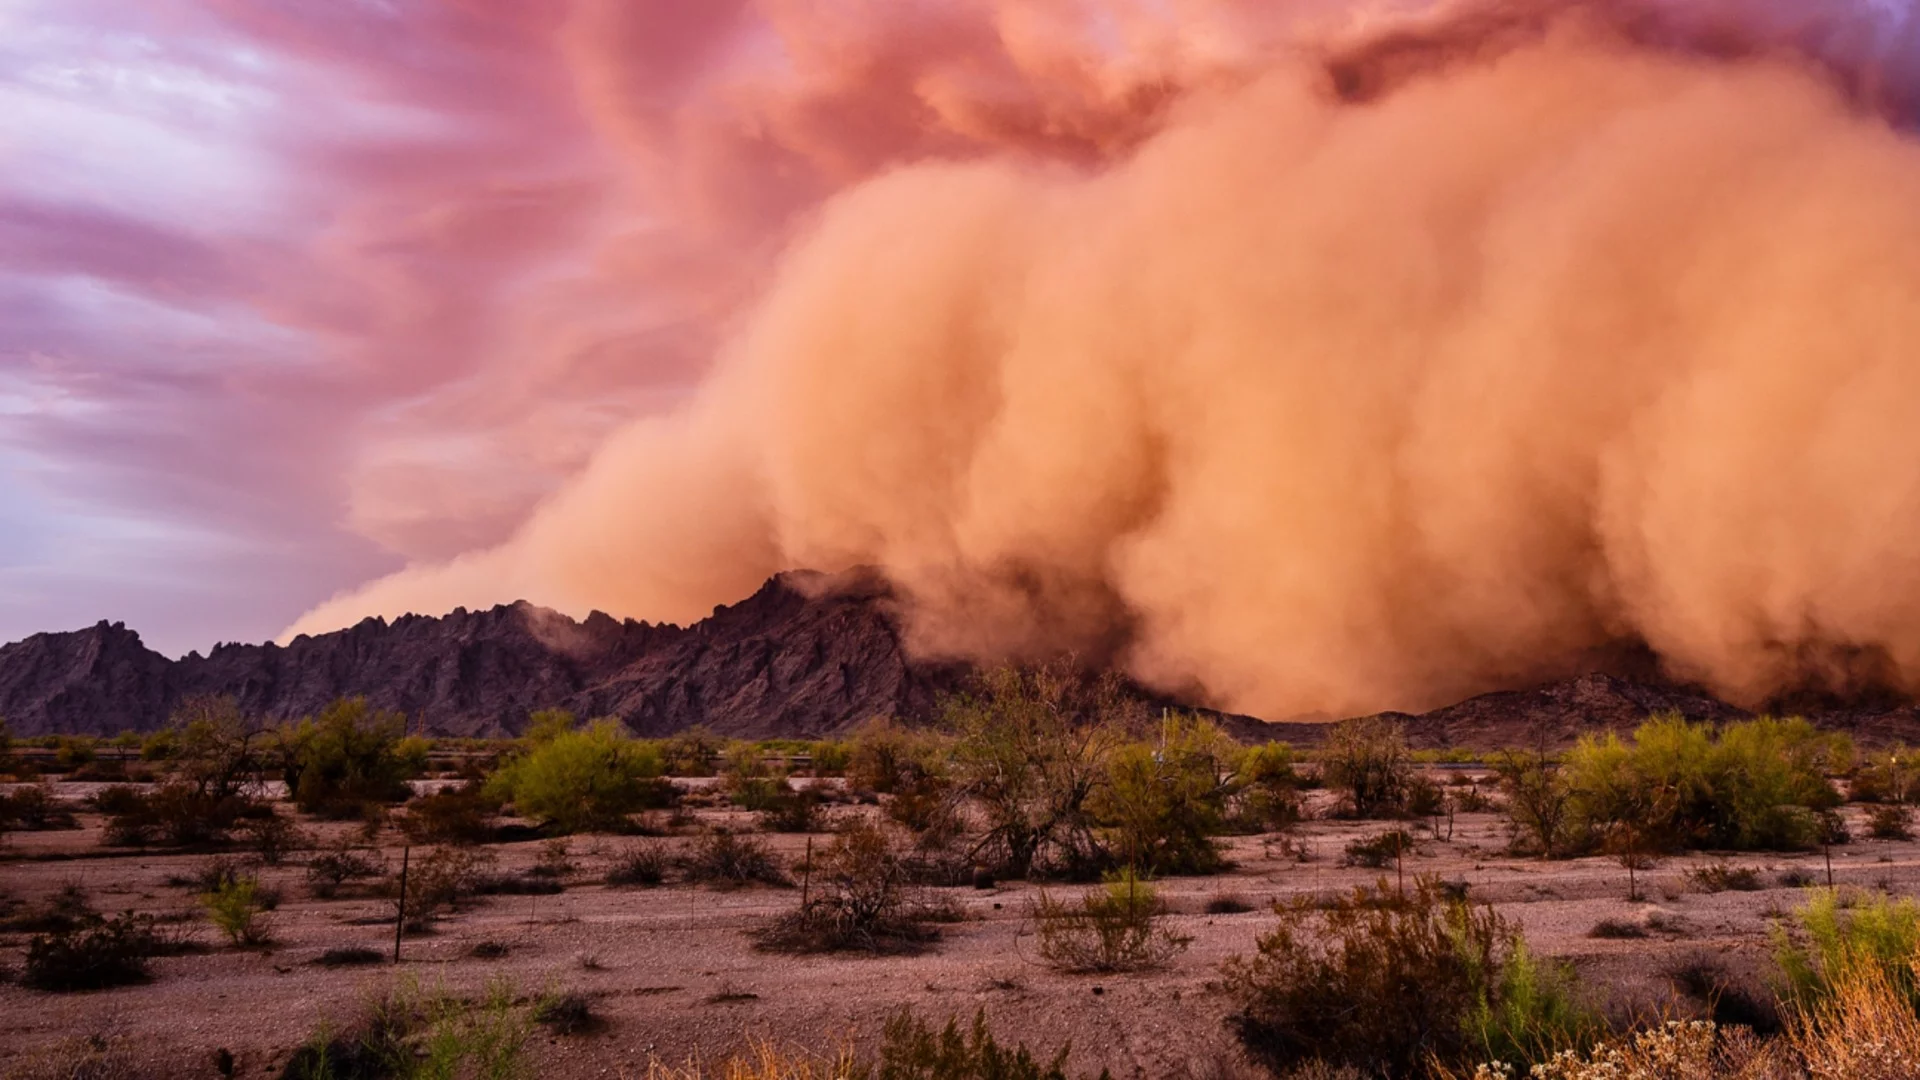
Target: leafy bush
(1032, 747)
(691, 752)
(1366, 762)
(788, 809)
(1838, 936)
(1266, 789)
(1889, 776)
(864, 902)
(1163, 803)
(1119, 926)
(1759, 784)
(726, 859)
(180, 814)
(97, 954)
(35, 808)
(1390, 986)
(1540, 804)
(348, 756)
(585, 780)
(237, 907)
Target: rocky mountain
(806, 655)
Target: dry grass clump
(1380, 852)
(642, 864)
(95, 954)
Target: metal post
(806, 876)
(400, 919)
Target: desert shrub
(334, 867)
(1228, 904)
(217, 751)
(1119, 926)
(522, 884)
(180, 814)
(1677, 1050)
(864, 901)
(585, 780)
(116, 799)
(96, 954)
(1863, 1028)
(67, 909)
(238, 908)
(691, 752)
(1540, 804)
(439, 882)
(1617, 930)
(1729, 998)
(829, 757)
(71, 752)
(467, 814)
(350, 956)
(1718, 877)
(1032, 746)
(1365, 761)
(1163, 803)
(35, 808)
(405, 1034)
(1890, 821)
(565, 1013)
(1837, 935)
(643, 864)
(271, 836)
(1757, 785)
(729, 859)
(911, 1050)
(1381, 851)
(1888, 776)
(1266, 789)
(350, 755)
(887, 758)
(1390, 986)
(788, 809)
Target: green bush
(691, 752)
(1032, 746)
(1839, 936)
(1266, 789)
(1888, 776)
(1756, 785)
(1392, 986)
(405, 1034)
(237, 908)
(1163, 803)
(348, 756)
(585, 780)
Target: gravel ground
(674, 974)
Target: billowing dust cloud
(1382, 372)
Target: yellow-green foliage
(350, 755)
(1366, 761)
(1163, 802)
(1759, 784)
(1840, 935)
(584, 779)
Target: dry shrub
(328, 871)
(464, 815)
(1228, 904)
(91, 1058)
(728, 859)
(98, 954)
(1380, 852)
(1694, 1050)
(566, 1014)
(439, 882)
(1617, 930)
(1890, 822)
(1721, 877)
(1120, 926)
(1393, 985)
(1864, 1029)
(643, 864)
(350, 956)
(865, 901)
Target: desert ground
(673, 972)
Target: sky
(295, 294)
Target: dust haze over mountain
(1324, 363)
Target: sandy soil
(674, 973)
